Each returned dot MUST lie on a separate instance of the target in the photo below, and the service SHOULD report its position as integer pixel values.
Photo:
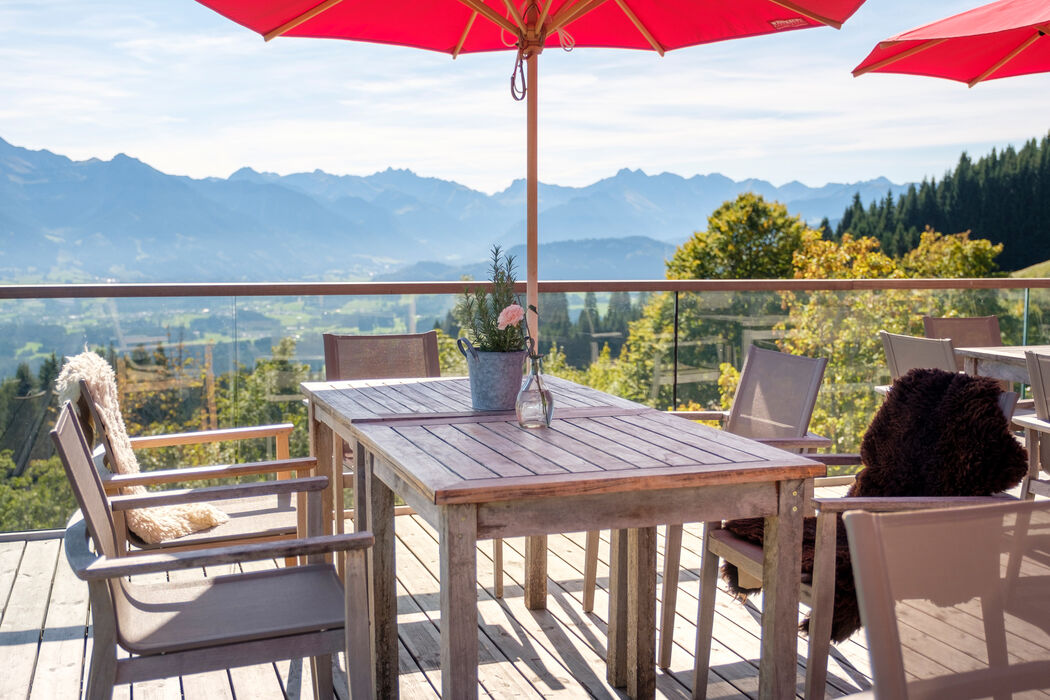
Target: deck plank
(60, 659)
(24, 616)
(556, 653)
(10, 556)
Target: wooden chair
(976, 331)
(380, 356)
(1037, 428)
(747, 557)
(376, 357)
(258, 518)
(773, 404)
(219, 622)
(955, 603)
(905, 352)
(350, 356)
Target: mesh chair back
(905, 352)
(776, 394)
(972, 332)
(381, 356)
(955, 602)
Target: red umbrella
(465, 26)
(999, 40)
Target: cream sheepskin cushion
(153, 525)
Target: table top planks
(1007, 354)
(597, 443)
(380, 399)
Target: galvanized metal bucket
(495, 377)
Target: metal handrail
(247, 289)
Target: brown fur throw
(937, 434)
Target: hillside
(63, 220)
(1003, 196)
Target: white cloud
(186, 90)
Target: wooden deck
(45, 632)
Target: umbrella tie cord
(517, 77)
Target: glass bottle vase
(534, 405)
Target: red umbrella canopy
(999, 40)
(464, 26)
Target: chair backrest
(381, 356)
(101, 429)
(972, 332)
(955, 602)
(84, 480)
(1039, 376)
(905, 352)
(776, 394)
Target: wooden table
(332, 412)
(1000, 361)
(603, 463)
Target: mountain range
(63, 220)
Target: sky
(189, 92)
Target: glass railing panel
(583, 335)
(1038, 318)
(200, 363)
(169, 357)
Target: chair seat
(262, 517)
(168, 617)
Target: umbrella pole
(532, 197)
(535, 547)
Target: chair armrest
(1030, 421)
(701, 415)
(836, 459)
(208, 436)
(806, 442)
(900, 503)
(104, 568)
(111, 482)
(218, 493)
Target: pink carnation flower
(511, 316)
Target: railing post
(674, 371)
(1024, 321)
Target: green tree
(48, 371)
(589, 321)
(25, 381)
(842, 326)
(748, 238)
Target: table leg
(323, 448)
(781, 563)
(641, 612)
(457, 542)
(375, 511)
(536, 572)
(616, 652)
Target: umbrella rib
(463, 37)
(514, 14)
(488, 13)
(898, 57)
(299, 19)
(808, 14)
(640, 27)
(543, 12)
(567, 16)
(1007, 58)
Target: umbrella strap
(518, 87)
